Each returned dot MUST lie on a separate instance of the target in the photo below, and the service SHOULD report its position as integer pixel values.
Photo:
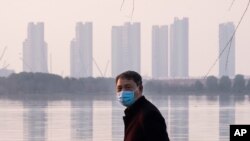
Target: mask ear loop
(118, 94)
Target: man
(142, 120)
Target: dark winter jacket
(144, 122)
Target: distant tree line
(211, 84)
(43, 83)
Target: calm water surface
(188, 118)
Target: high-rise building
(126, 48)
(159, 52)
(81, 55)
(179, 41)
(35, 49)
(227, 45)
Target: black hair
(130, 75)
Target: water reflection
(117, 121)
(227, 115)
(203, 118)
(242, 113)
(192, 118)
(35, 120)
(179, 116)
(11, 120)
(59, 121)
(82, 120)
(102, 120)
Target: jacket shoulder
(150, 108)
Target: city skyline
(60, 23)
(126, 42)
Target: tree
(198, 86)
(212, 83)
(225, 84)
(239, 83)
(248, 85)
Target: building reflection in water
(226, 116)
(117, 121)
(179, 116)
(191, 118)
(82, 120)
(35, 120)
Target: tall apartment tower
(126, 48)
(227, 59)
(35, 49)
(179, 43)
(159, 52)
(81, 54)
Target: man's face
(128, 85)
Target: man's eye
(119, 89)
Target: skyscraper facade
(35, 49)
(81, 55)
(159, 52)
(126, 48)
(227, 43)
(179, 44)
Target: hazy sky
(60, 17)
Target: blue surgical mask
(126, 98)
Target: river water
(188, 118)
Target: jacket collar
(134, 107)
